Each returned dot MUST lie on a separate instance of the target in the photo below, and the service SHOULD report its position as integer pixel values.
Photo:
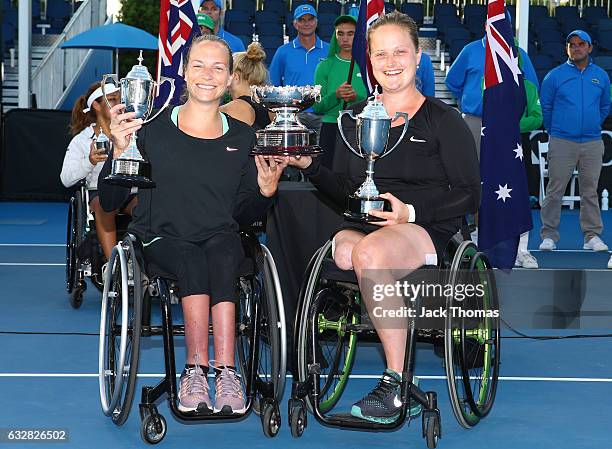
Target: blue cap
(581, 34)
(219, 3)
(302, 10)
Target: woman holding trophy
(206, 184)
(86, 154)
(430, 178)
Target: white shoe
(547, 245)
(525, 259)
(595, 244)
(610, 263)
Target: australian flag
(504, 211)
(177, 26)
(369, 12)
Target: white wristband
(411, 213)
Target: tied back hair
(250, 64)
(80, 120)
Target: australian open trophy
(372, 129)
(137, 90)
(286, 135)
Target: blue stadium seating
(328, 6)
(270, 29)
(278, 6)
(243, 28)
(592, 14)
(246, 40)
(455, 48)
(574, 24)
(414, 10)
(456, 33)
(444, 9)
(236, 15)
(563, 13)
(389, 7)
(248, 6)
(556, 50)
(472, 10)
(605, 42)
(262, 17)
(327, 18)
(536, 12)
(548, 35)
(545, 23)
(605, 62)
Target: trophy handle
(350, 114)
(170, 96)
(112, 76)
(406, 119)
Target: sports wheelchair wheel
(75, 234)
(327, 312)
(262, 288)
(120, 326)
(472, 345)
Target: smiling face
(305, 25)
(394, 58)
(208, 75)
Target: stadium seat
(456, 33)
(246, 40)
(563, 13)
(262, 17)
(556, 50)
(276, 6)
(389, 7)
(537, 12)
(330, 6)
(547, 23)
(605, 62)
(243, 28)
(414, 10)
(605, 42)
(445, 22)
(270, 29)
(236, 15)
(473, 10)
(574, 24)
(58, 9)
(248, 6)
(592, 14)
(327, 19)
(549, 35)
(444, 9)
(455, 48)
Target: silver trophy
(137, 89)
(373, 127)
(286, 135)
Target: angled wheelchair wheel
(263, 289)
(323, 336)
(472, 344)
(120, 325)
(75, 234)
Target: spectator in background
(294, 63)
(425, 79)
(465, 79)
(214, 9)
(206, 23)
(249, 70)
(336, 92)
(575, 101)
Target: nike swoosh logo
(397, 402)
(412, 139)
(231, 149)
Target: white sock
(524, 242)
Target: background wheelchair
(126, 318)
(329, 324)
(84, 255)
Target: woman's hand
(269, 172)
(122, 125)
(95, 155)
(300, 162)
(399, 212)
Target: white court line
(353, 376)
(29, 264)
(33, 244)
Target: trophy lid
(139, 71)
(374, 109)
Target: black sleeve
(460, 162)
(112, 196)
(251, 205)
(336, 184)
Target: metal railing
(59, 67)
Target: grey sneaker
(595, 244)
(547, 245)
(193, 391)
(229, 397)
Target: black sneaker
(383, 403)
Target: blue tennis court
(552, 393)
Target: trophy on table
(286, 135)
(137, 90)
(373, 127)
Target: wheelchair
(126, 318)
(84, 255)
(329, 324)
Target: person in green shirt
(336, 93)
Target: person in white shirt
(90, 122)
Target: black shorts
(440, 236)
(204, 268)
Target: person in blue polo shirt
(214, 9)
(575, 100)
(425, 78)
(294, 63)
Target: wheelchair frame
(468, 409)
(117, 377)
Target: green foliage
(143, 14)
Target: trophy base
(358, 209)
(130, 173)
(314, 150)
(286, 142)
